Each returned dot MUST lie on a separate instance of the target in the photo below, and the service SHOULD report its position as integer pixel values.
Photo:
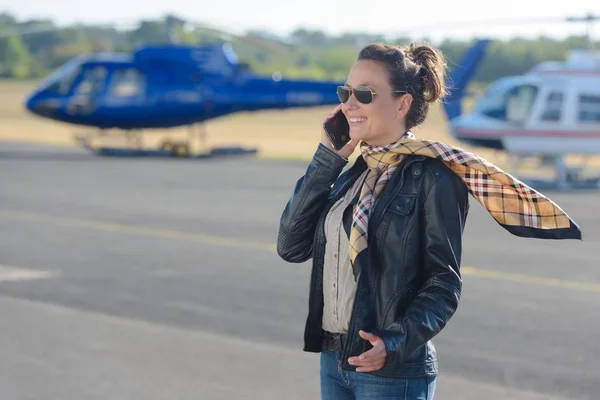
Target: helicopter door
(519, 104)
(86, 90)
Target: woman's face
(383, 120)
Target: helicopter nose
(43, 107)
(30, 103)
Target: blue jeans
(339, 384)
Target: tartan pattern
(517, 207)
(381, 169)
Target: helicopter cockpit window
(553, 107)
(92, 81)
(64, 85)
(589, 109)
(512, 104)
(61, 80)
(126, 83)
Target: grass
(279, 134)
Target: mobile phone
(338, 130)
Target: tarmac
(158, 279)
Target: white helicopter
(550, 112)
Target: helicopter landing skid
(132, 139)
(565, 178)
(167, 148)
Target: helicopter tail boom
(262, 93)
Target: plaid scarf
(515, 206)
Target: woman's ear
(404, 103)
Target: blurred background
(147, 150)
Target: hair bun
(431, 71)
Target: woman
(385, 236)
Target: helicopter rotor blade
(28, 31)
(268, 44)
(498, 22)
(44, 28)
(264, 43)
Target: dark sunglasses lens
(363, 94)
(343, 94)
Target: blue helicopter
(166, 86)
(172, 85)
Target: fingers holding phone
(331, 114)
(336, 133)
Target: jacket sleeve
(444, 215)
(311, 193)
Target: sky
(387, 17)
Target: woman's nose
(351, 104)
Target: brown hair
(419, 70)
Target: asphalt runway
(158, 279)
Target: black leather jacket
(409, 284)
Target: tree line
(304, 53)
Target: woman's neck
(388, 139)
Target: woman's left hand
(373, 359)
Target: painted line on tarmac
(12, 274)
(137, 230)
(270, 247)
(155, 335)
(536, 280)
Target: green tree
(337, 61)
(148, 32)
(312, 54)
(15, 60)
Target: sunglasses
(363, 94)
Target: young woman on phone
(385, 235)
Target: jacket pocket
(404, 204)
(401, 297)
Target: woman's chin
(358, 135)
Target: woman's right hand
(345, 151)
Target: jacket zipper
(352, 326)
(403, 246)
(409, 162)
